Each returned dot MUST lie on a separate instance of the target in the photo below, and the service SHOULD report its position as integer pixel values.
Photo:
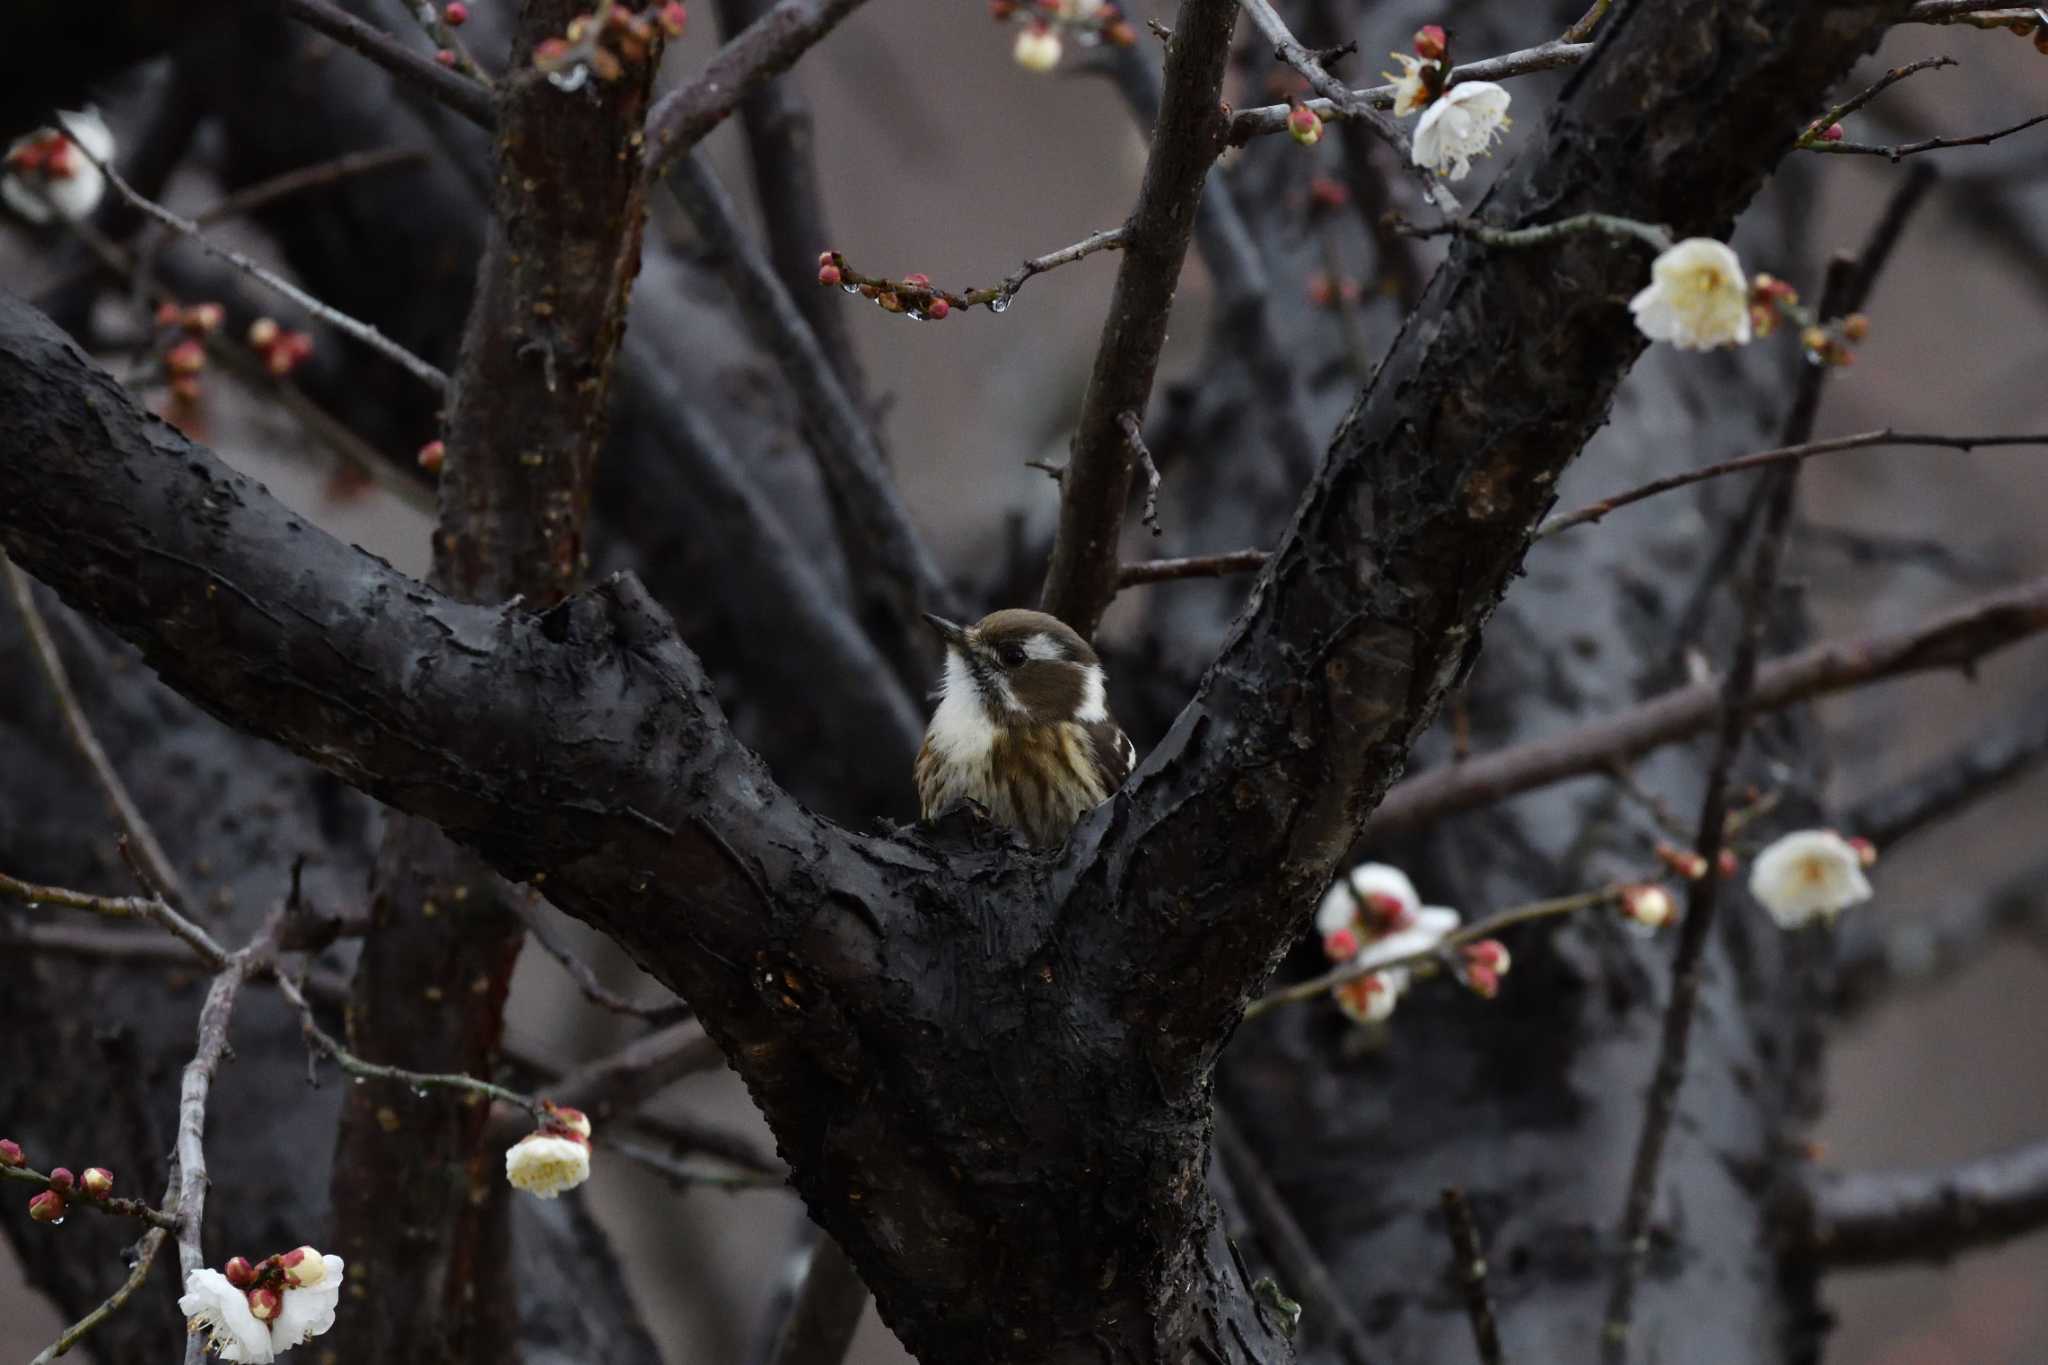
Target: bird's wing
(1115, 755)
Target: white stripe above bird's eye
(1043, 646)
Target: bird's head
(1022, 668)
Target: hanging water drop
(849, 288)
(999, 304)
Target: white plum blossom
(1377, 892)
(1460, 124)
(1807, 875)
(1697, 298)
(545, 1164)
(309, 1302)
(1370, 916)
(1430, 926)
(1037, 49)
(1369, 999)
(213, 1306)
(47, 176)
(1410, 93)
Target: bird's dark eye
(1011, 653)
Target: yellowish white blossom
(1697, 298)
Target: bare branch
(1268, 119)
(828, 1308)
(1862, 440)
(582, 974)
(1978, 13)
(1135, 434)
(1143, 571)
(1289, 50)
(1898, 1217)
(264, 193)
(75, 1196)
(1932, 144)
(1956, 638)
(130, 816)
(1081, 579)
(459, 93)
(144, 1257)
(916, 295)
(332, 316)
(1469, 1257)
(1817, 130)
(763, 49)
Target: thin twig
(1897, 1217)
(585, 978)
(78, 1198)
(914, 294)
(1290, 50)
(466, 97)
(334, 317)
(193, 1090)
(1582, 30)
(1988, 13)
(427, 15)
(1652, 235)
(1199, 566)
(828, 1308)
(126, 812)
(1470, 1264)
(1292, 1253)
(264, 193)
(1660, 1105)
(151, 908)
(1365, 964)
(1267, 119)
(145, 1257)
(1932, 144)
(679, 1172)
(1817, 129)
(760, 51)
(1761, 459)
(1134, 432)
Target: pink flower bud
(97, 1181)
(672, 19)
(204, 318)
(1833, 133)
(431, 454)
(445, 57)
(303, 1266)
(1386, 913)
(239, 1272)
(10, 1153)
(1431, 42)
(938, 309)
(1856, 326)
(1483, 982)
(61, 1180)
(1648, 905)
(1489, 953)
(187, 357)
(455, 14)
(262, 333)
(1340, 945)
(920, 280)
(168, 314)
(1305, 126)
(1326, 193)
(1683, 861)
(1866, 852)
(569, 1120)
(828, 274)
(47, 1207)
(1727, 864)
(265, 1304)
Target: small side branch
(332, 316)
(1289, 50)
(126, 812)
(1198, 566)
(1470, 1266)
(1898, 1217)
(466, 97)
(1135, 434)
(1817, 130)
(145, 1257)
(1268, 119)
(582, 974)
(1902, 150)
(76, 1197)
(1652, 235)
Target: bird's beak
(954, 636)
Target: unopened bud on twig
(97, 1181)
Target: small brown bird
(1023, 727)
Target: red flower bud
(672, 19)
(1683, 861)
(300, 344)
(937, 310)
(431, 454)
(1305, 126)
(999, 10)
(445, 58)
(61, 1180)
(239, 1272)
(47, 1207)
(828, 274)
(1431, 42)
(1340, 945)
(10, 1153)
(187, 357)
(1326, 193)
(265, 1304)
(1727, 864)
(917, 279)
(97, 1181)
(1866, 852)
(1856, 326)
(455, 14)
(1832, 133)
(204, 318)
(1648, 905)
(168, 314)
